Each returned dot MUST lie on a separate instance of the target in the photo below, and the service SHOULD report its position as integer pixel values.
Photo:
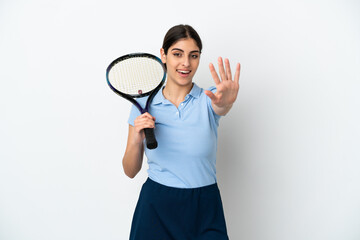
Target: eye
(177, 54)
(194, 56)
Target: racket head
(136, 75)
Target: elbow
(131, 173)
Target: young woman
(180, 199)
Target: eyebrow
(178, 49)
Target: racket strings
(136, 75)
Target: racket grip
(151, 142)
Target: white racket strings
(136, 75)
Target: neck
(176, 94)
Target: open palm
(227, 88)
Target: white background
(288, 159)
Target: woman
(181, 199)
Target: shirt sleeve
(215, 116)
(134, 113)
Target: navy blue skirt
(167, 213)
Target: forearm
(132, 160)
(133, 157)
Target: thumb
(210, 94)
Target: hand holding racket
(134, 76)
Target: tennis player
(180, 200)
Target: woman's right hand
(143, 121)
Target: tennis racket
(134, 76)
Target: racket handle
(151, 142)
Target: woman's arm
(133, 157)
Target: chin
(184, 82)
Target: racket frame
(149, 132)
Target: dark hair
(179, 32)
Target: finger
(237, 73)
(145, 120)
(143, 126)
(147, 115)
(143, 123)
(214, 74)
(221, 69)
(228, 69)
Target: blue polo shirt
(187, 140)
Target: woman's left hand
(226, 87)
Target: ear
(163, 55)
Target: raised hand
(227, 88)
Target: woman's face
(182, 61)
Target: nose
(186, 62)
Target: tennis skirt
(167, 213)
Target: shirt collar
(195, 91)
(159, 97)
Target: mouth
(183, 73)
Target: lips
(183, 73)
